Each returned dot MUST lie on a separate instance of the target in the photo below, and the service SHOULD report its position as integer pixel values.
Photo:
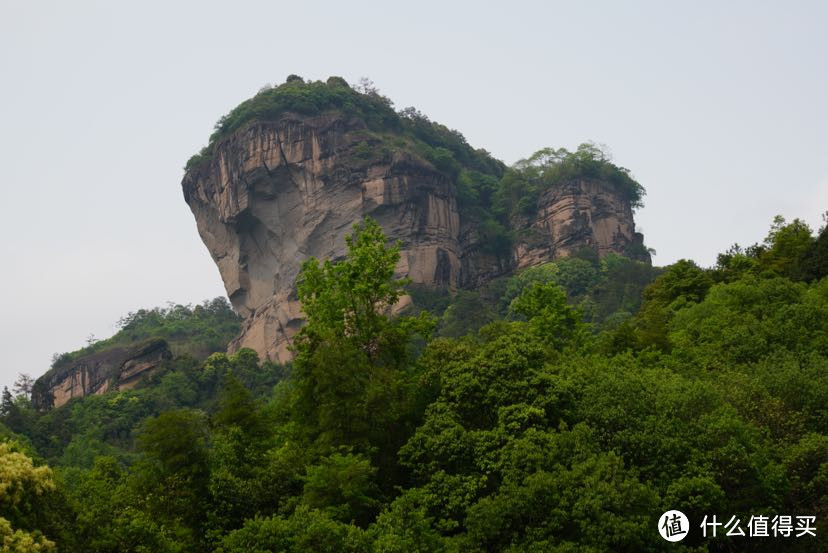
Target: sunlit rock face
(276, 193)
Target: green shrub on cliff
(309, 98)
(446, 149)
(522, 185)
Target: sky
(719, 109)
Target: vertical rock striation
(275, 192)
(580, 213)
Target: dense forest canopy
(562, 409)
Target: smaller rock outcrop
(579, 213)
(99, 372)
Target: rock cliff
(276, 190)
(276, 193)
(98, 373)
(579, 213)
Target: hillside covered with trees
(562, 409)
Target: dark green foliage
(495, 238)
(343, 486)
(680, 285)
(174, 446)
(75, 433)
(734, 264)
(237, 407)
(467, 313)
(447, 143)
(619, 289)
(492, 457)
(814, 262)
(524, 434)
(430, 299)
(173, 473)
(789, 250)
(748, 320)
(578, 276)
(406, 528)
(514, 286)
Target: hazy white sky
(718, 108)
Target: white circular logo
(673, 526)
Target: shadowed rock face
(98, 373)
(275, 193)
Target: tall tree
(350, 386)
(23, 385)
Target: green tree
(405, 527)
(734, 264)
(351, 300)
(549, 314)
(814, 262)
(750, 319)
(681, 285)
(351, 384)
(20, 482)
(467, 313)
(173, 474)
(342, 485)
(542, 274)
(237, 407)
(785, 247)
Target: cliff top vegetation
(197, 331)
(486, 187)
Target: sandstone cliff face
(98, 373)
(580, 213)
(275, 193)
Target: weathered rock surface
(98, 373)
(580, 213)
(275, 193)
